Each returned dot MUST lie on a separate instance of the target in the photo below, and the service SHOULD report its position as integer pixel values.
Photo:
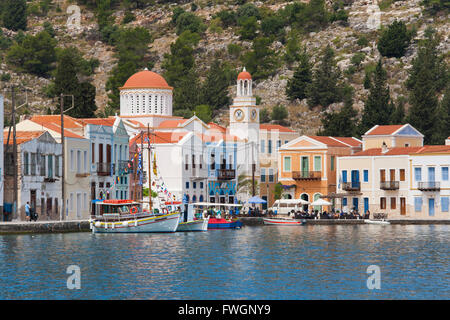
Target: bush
(362, 41)
(264, 116)
(394, 40)
(234, 50)
(246, 11)
(227, 17)
(189, 21)
(249, 27)
(358, 58)
(279, 113)
(272, 25)
(128, 17)
(5, 77)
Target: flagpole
(149, 171)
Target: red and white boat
(283, 221)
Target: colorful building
(307, 165)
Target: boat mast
(149, 171)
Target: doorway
(431, 207)
(305, 196)
(403, 206)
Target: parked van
(285, 206)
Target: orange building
(307, 165)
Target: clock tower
(244, 123)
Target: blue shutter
(444, 204)
(344, 175)
(418, 204)
(366, 175)
(445, 173)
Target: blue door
(366, 204)
(355, 178)
(431, 207)
(355, 204)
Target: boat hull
(195, 225)
(282, 222)
(224, 224)
(377, 222)
(165, 223)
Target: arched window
(201, 198)
(194, 198)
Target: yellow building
(307, 165)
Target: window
(187, 184)
(93, 152)
(444, 204)
(286, 141)
(194, 185)
(317, 163)
(278, 144)
(213, 161)
(271, 175)
(269, 146)
(393, 203)
(57, 174)
(332, 163)
(26, 164)
(417, 204)
(263, 175)
(85, 161)
(50, 166)
(402, 174)
(382, 203)
(78, 161)
(42, 165)
(33, 164)
(366, 175)
(200, 161)
(418, 174)
(263, 146)
(287, 164)
(72, 160)
(344, 176)
(444, 173)
(201, 185)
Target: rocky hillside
(343, 37)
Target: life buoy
(134, 210)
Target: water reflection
(307, 262)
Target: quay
(83, 225)
(44, 226)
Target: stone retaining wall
(44, 226)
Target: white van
(285, 206)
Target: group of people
(333, 214)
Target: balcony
(306, 175)
(50, 179)
(105, 168)
(198, 174)
(429, 186)
(226, 174)
(389, 185)
(351, 186)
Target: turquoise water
(265, 262)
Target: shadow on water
(270, 262)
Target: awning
(333, 195)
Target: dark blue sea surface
(265, 262)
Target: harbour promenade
(83, 225)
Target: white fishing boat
(191, 220)
(283, 221)
(385, 222)
(125, 216)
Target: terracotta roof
(404, 151)
(216, 136)
(171, 123)
(53, 122)
(216, 127)
(349, 140)
(109, 122)
(146, 79)
(159, 137)
(328, 141)
(21, 136)
(244, 75)
(385, 129)
(274, 127)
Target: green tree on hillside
(394, 40)
(261, 61)
(15, 14)
(297, 85)
(325, 87)
(378, 108)
(214, 91)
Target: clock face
(239, 115)
(254, 114)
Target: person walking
(27, 211)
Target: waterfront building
(77, 167)
(272, 137)
(399, 177)
(307, 165)
(38, 174)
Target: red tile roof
(274, 127)
(349, 140)
(328, 141)
(21, 136)
(159, 137)
(53, 122)
(385, 129)
(171, 123)
(215, 127)
(403, 151)
(108, 122)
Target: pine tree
(325, 86)
(398, 116)
(342, 123)
(427, 76)
(394, 40)
(377, 109)
(442, 125)
(215, 88)
(15, 14)
(297, 85)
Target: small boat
(125, 216)
(220, 222)
(192, 219)
(377, 221)
(283, 221)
